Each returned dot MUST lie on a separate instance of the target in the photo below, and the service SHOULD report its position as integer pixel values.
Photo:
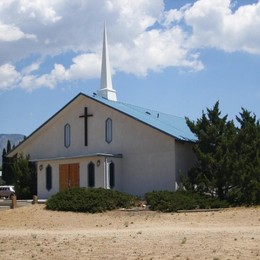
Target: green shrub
(167, 201)
(90, 200)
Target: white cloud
(217, 26)
(174, 15)
(9, 77)
(40, 10)
(31, 68)
(9, 33)
(85, 66)
(155, 50)
(142, 37)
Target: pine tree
(25, 177)
(7, 173)
(3, 166)
(246, 177)
(3, 154)
(213, 171)
(8, 149)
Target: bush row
(98, 200)
(167, 201)
(90, 200)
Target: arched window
(67, 135)
(109, 130)
(48, 177)
(111, 175)
(91, 175)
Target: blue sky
(174, 56)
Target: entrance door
(69, 176)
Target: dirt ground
(31, 232)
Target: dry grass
(34, 233)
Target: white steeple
(106, 88)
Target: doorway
(69, 176)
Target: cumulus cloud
(9, 77)
(84, 66)
(174, 16)
(142, 35)
(155, 50)
(43, 11)
(219, 27)
(9, 33)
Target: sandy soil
(32, 232)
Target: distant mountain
(14, 139)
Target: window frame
(67, 135)
(48, 176)
(109, 128)
(91, 175)
(111, 175)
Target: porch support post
(105, 173)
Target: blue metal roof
(172, 125)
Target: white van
(7, 191)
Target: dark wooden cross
(86, 116)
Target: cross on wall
(86, 116)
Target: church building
(98, 141)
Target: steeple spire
(106, 88)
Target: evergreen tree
(25, 177)
(246, 177)
(7, 173)
(2, 182)
(228, 158)
(3, 154)
(8, 149)
(214, 150)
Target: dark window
(48, 177)
(109, 130)
(91, 175)
(111, 175)
(67, 135)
